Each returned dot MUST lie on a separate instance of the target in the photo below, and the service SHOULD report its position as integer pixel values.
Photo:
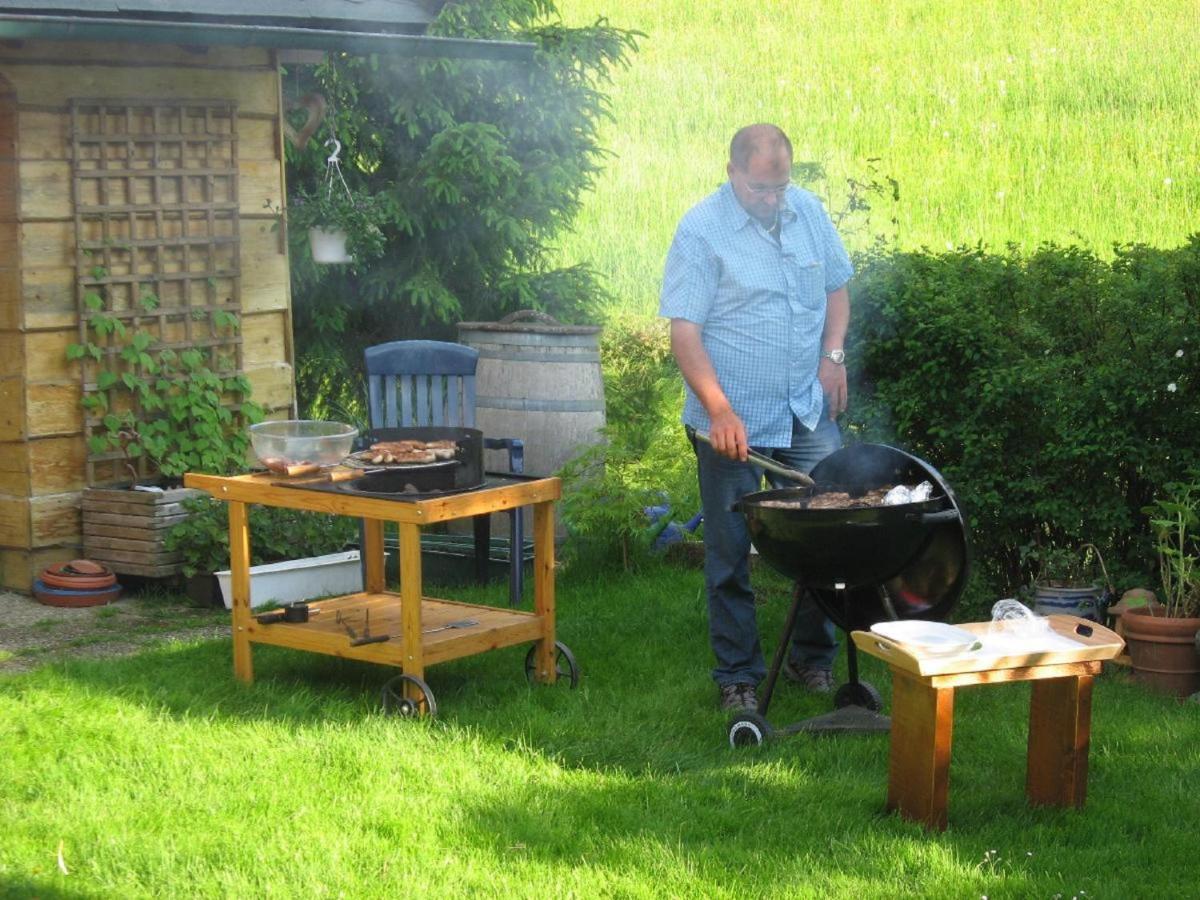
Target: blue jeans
(732, 619)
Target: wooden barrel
(539, 381)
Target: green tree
(476, 165)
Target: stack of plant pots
(80, 582)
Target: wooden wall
(42, 450)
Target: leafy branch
(172, 408)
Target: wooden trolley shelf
(406, 617)
(380, 614)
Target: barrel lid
(529, 321)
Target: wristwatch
(837, 357)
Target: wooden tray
(1100, 644)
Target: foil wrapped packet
(902, 493)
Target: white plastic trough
(299, 579)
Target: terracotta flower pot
(78, 575)
(50, 596)
(1163, 651)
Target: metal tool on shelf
(460, 623)
(366, 638)
(297, 612)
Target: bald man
(755, 287)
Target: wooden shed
(140, 141)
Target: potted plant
(1066, 581)
(1163, 638)
(295, 555)
(342, 225)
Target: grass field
(158, 775)
(1001, 120)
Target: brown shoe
(739, 697)
(813, 678)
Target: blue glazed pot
(1085, 602)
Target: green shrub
(644, 459)
(276, 534)
(477, 166)
(168, 409)
(1057, 392)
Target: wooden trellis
(155, 187)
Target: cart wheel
(564, 663)
(749, 729)
(395, 702)
(861, 693)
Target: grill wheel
(858, 693)
(749, 729)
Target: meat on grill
(833, 500)
(408, 452)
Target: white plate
(930, 638)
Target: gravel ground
(33, 634)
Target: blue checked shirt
(761, 305)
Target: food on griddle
(406, 452)
(399, 449)
(387, 457)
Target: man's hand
(726, 432)
(727, 435)
(833, 384)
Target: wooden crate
(125, 529)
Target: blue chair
(422, 383)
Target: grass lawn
(158, 775)
(1001, 120)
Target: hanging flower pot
(343, 225)
(328, 246)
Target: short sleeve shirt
(761, 305)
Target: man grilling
(755, 288)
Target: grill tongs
(766, 462)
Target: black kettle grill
(861, 565)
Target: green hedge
(644, 459)
(1057, 392)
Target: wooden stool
(1059, 717)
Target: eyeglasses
(763, 190)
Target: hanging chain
(333, 165)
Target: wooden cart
(405, 629)
(1059, 718)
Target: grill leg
(785, 641)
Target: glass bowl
(301, 446)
